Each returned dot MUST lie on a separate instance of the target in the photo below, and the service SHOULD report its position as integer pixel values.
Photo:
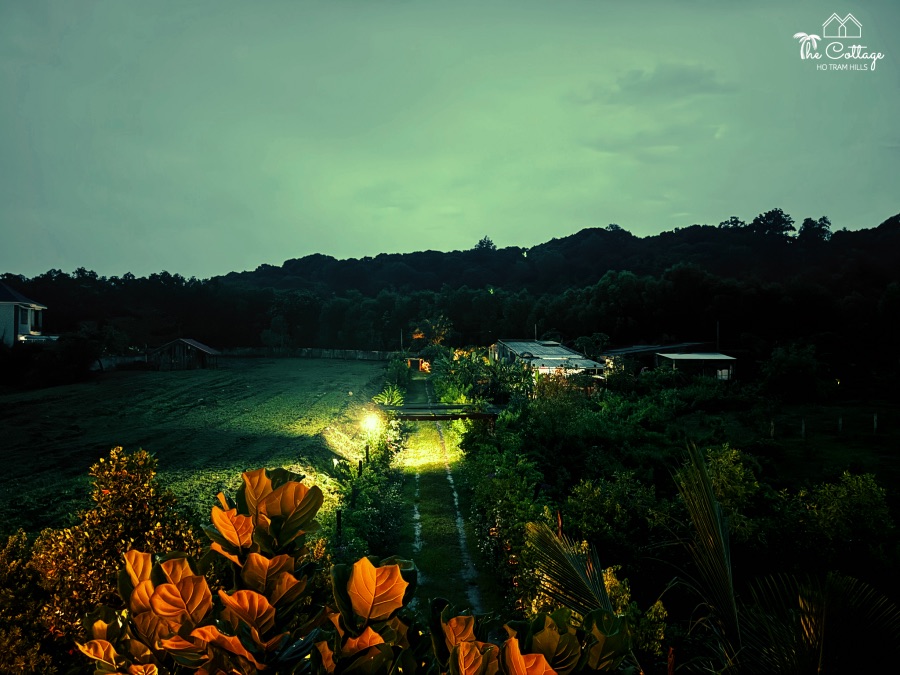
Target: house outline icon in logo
(836, 27)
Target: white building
(20, 318)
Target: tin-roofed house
(21, 319)
(707, 364)
(183, 354)
(545, 356)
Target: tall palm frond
(799, 624)
(710, 552)
(568, 575)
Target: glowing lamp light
(371, 423)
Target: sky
(212, 136)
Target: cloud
(666, 82)
(652, 142)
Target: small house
(183, 354)
(21, 319)
(707, 364)
(645, 356)
(544, 356)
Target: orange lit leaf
(176, 643)
(517, 663)
(145, 669)
(140, 598)
(368, 639)
(237, 529)
(99, 650)
(304, 511)
(217, 547)
(475, 658)
(189, 599)
(138, 565)
(257, 486)
(286, 588)
(259, 571)
(152, 628)
(176, 569)
(251, 607)
(459, 629)
(230, 643)
(327, 656)
(375, 592)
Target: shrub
(78, 565)
(24, 643)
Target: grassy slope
(205, 426)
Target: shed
(184, 354)
(708, 364)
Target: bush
(78, 565)
(24, 643)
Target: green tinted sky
(208, 136)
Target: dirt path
(437, 541)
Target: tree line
(744, 287)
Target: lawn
(204, 426)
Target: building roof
(9, 295)
(652, 349)
(699, 356)
(549, 354)
(193, 343)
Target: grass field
(204, 426)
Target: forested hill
(731, 250)
(751, 286)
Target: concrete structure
(183, 354)
(708, 364)
(544, 356)
(20, 318)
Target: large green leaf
(609, 639)
(559, 647)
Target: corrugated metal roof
(9, 295)
(699, 356)
(548, 354)
(650, 349)
(566, 364)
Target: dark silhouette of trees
(773, 223)
(485, 244)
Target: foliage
(793, 373)
(772, 223)
(390, 395)
(78, 564)
(710, 552)
(485, 244)
(265, 620)
(834, 522)
(797, 624)
(735, 486)
(571, 576)
(25, 646)
(619, 515)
